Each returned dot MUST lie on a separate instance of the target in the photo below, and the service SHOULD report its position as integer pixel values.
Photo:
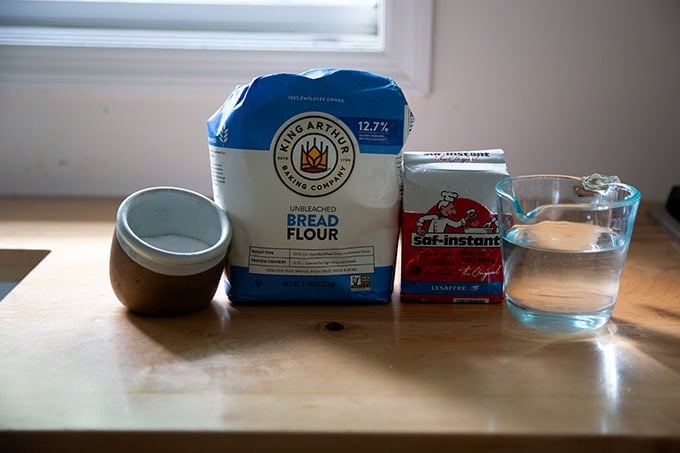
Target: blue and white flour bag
(307, 167)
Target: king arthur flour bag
(307, 168)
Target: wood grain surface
(78, 371)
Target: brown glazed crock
(146, 292)
(164, 279)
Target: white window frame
(405, 57)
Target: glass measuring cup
(564, 243)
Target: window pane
(270, 16)
(354, 25)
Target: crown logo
(314, 159)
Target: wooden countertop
(77, 371)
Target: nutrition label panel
(275, 261)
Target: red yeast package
(450, 239)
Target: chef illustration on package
(444, 217)
(438, 222)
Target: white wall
(567, 86)
(563, 86)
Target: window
(196, 24)
(210, 42)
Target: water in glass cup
(562, 276)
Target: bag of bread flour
(307, 168)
